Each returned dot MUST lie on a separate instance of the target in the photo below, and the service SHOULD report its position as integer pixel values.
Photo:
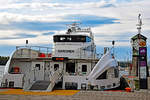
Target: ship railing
(82, 53)
(56, 75)
(1, 76)
(33, 51)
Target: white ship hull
(71, 65)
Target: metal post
(113, 43)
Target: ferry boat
(71, 64)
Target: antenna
(139, 24)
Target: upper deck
(76, 43)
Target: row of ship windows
(72, 38)
(70, 67)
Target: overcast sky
(38, 20)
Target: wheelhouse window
(71, 38)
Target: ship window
(70, 67)
(102, 76)
(11, 84)
(56, 66)
(71, 38)
(84, 68)
(116, 72)
(37, 65)
(88, 39)
(62, 38)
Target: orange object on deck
(16, 70)
(128, 89)
(42, 55)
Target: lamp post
(113, 43)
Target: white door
(38, 70)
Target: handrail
(32, 47)
(38, 49)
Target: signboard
(59, 58)
(143, 72)
(143, 67)
(142, 62)
(142, 51)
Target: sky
(38, 20)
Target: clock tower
(139, 66)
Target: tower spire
(139, 25)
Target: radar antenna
(72, 27)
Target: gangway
(106, 62)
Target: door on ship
(70, 68)
(38, 68)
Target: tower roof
(139, 36)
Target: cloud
(91, 20)
(24, 23)
(18, 36)
(109, 19)
(107, 5)
(48, 33)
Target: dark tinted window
(37, 66)
(116, 72)
(71, 38)
(70, 67)
(56, 66)
(84, 68)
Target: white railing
(54, 78)
(37, 48)
(32, 51)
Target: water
(121, 73)
(1, 71)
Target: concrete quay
(85, 95)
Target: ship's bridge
(75, 43)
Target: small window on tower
(84, 68)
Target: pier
(84, 95)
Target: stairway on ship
(40, 85)
(43, 85)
